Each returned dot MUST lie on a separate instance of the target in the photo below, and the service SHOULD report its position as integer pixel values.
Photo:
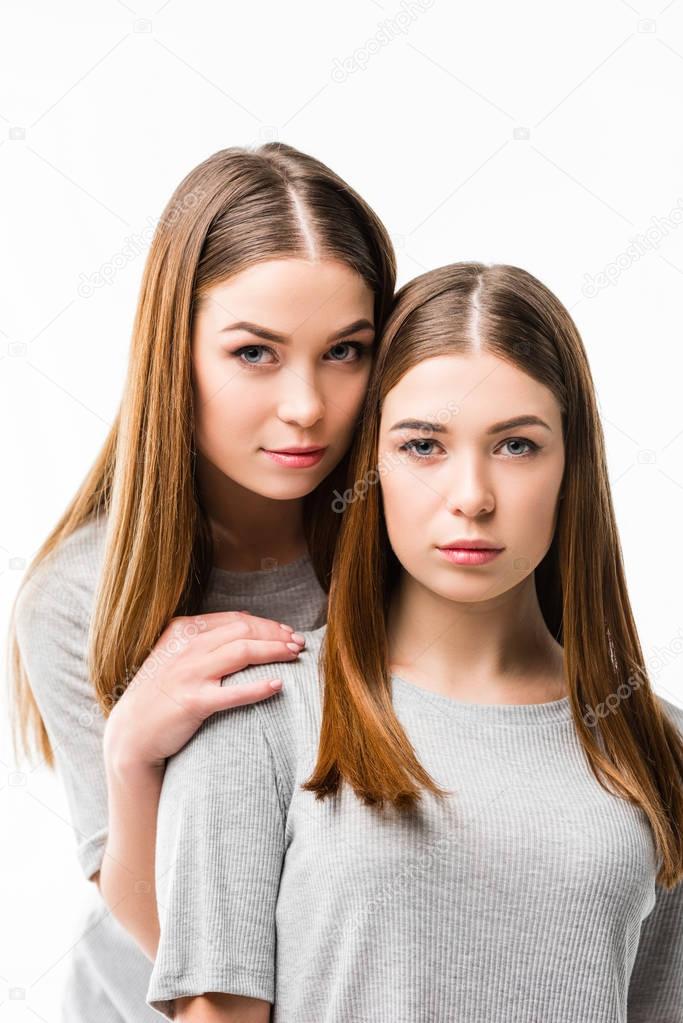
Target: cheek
(225, 414)
(531, 518)
(223, 390)
(207, 381)
(409, 506)
(343, 400)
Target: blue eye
(360, 349)
(522, 440)
(251, 348)
(410, 447)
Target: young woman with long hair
(267, 280)
(466, 803)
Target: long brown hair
(236, 208)
(583, 596)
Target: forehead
(480, 386)
(289, 295)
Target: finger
(224, 697)
(246, 628)
(239, 653)
(259, 621)
(217, 619)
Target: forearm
(126, 878)
(221, 1008)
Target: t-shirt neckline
(263, 580)
(511, 714)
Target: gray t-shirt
(528, 896)
(109, 974)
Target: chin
(290, 490)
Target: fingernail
(298, 638)
(276, 683)
(288, 628)
(294, 647)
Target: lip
(296, 458)
(471, 545)
(469, 555)
(295, 451)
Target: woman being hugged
(193, 548)
(466, 803)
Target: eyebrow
(505, 424)
(272, 335)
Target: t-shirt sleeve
(219, 856)
(52, 622)
(656, 984)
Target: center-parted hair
(235, 209)
(630, 744)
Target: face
(470, 477)
(281, 356)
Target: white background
(542, 135)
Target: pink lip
(295, 451)
(468, 556)
(476, 544)
(301, 458)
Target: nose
(469, 492)
(301, 401)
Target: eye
(532, 447)
(238, 354)
(244, 354)
(359, 348)
(411, 450)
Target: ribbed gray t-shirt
(109, 974)
(528, 896)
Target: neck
(490, 651)
(250, 532)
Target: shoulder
(250, 746)
(300, 684)
(300, 671)
(285, 724)
(62, 586)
